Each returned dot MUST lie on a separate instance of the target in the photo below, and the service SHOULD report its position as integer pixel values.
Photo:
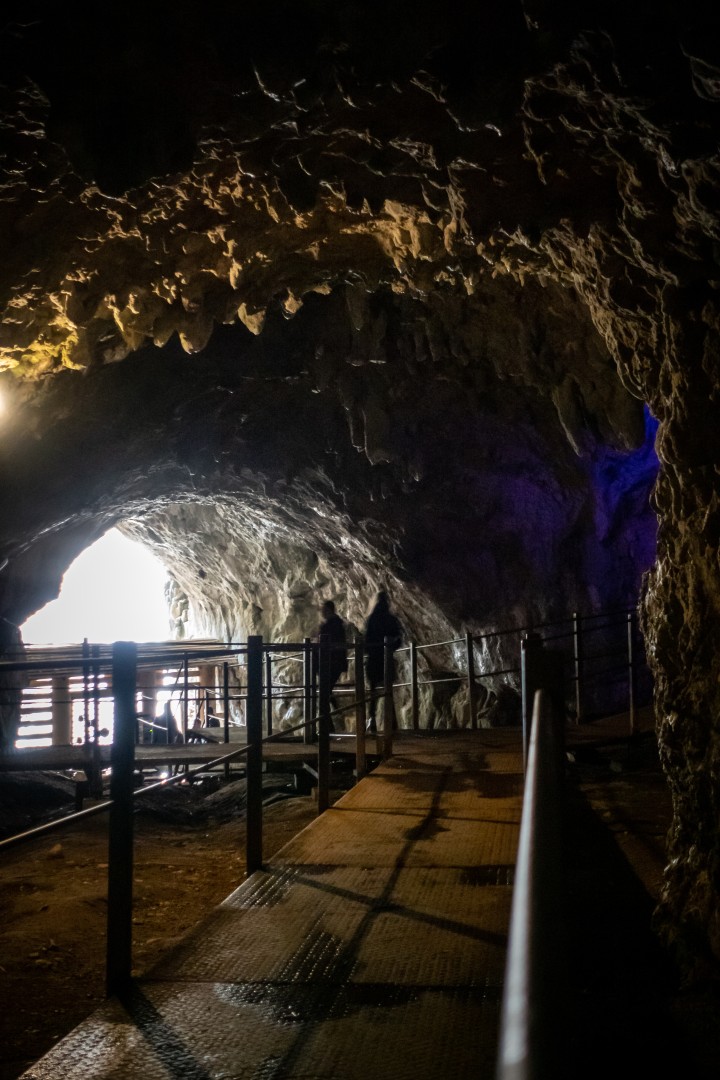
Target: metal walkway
(370, 946)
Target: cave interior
(316, 299)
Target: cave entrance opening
(115, 590)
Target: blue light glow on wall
(623, 470)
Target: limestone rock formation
(321, 297)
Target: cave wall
(395, 280)
(409, 466)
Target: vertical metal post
(61, 711)
(254, 842)
(226, 712)
(226, 702)
(360, 712)
(472, 690)
(323, 766)
(530, 650)
(206, 692)
(157, 683)
(414, 696)
(307, 691)
(311, 689)
(632, 673)
(120, 839)
(540, 669)
(86, 689)
(268, 691)
(96, 780)
(388, 702)
(95, 653)
(578, 664)
(186, 697)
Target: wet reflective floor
(370, 946)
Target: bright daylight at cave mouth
(114, 591)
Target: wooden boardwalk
(371, 946)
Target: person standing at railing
(381, 623)
(332, 632)
(165, 729)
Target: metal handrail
(437, 644)
(155, 654)
(122, 795)
(78, 815)
(534, 973)
(150, 655)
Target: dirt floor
(190, 855)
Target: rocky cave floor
(629, 1015)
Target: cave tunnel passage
(269, 474)
(505, 525)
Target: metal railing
(534, 988)
(123, 675)
(204, 682)
(121, 664)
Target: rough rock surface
(328, 296)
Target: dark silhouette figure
(332, 632)
(165, 728)
(381, 624)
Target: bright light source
(114, 591)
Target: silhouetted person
(332, 631)
(381, 624)
(165, 728)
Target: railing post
(360, 712)
(96, 780)
(254, 844)
(472, 695)
(157, 681)
(323, 767)
(226, 702)
(61, 711)
(86, 690)
(226, 711)
(414, 696)
(388, 703)
(186, 697)
(207, 690)
(120, 830)
(268, 691)
(540, 669)
(530, 649)
(578, 664)
(307, 691)
(632, 673)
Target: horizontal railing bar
(139, 792)
(437, 644)
(50, 826)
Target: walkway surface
(371, 946)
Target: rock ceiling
(319, 296)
